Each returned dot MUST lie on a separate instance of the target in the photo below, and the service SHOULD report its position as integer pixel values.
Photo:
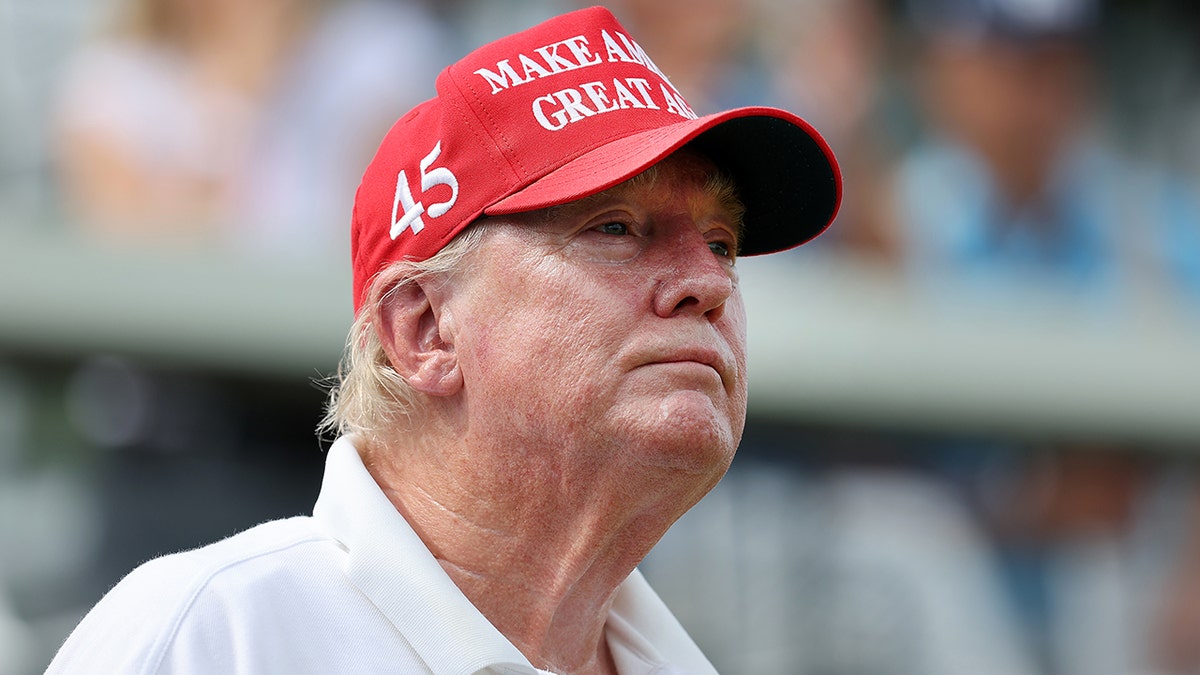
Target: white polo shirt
(351, 589)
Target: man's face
(611, 323)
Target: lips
(707, 356)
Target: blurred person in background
(1083, 531)
(236, 123)
(1014, 184)
(1016, 193)
(828, 59)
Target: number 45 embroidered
(411, 218)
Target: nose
(693, 280)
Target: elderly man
(546, 370)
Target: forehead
(684, 172)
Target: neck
(538, 550)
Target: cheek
(529, 338)
(733, 329)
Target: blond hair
(369, 396)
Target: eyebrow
(721, 187)
(718, 185)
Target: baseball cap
(561, 111)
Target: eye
(720, 248)
(614, 228)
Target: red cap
(561, 111)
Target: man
(547, 368)
(1009, 190)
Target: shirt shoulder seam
(201, 583)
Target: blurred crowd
(988, 144)
(1008, 148)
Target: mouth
(710, 359)
(704, 357)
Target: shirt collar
(440, 623)
(645, 637)
(432, 614)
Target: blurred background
(975, 402)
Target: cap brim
(786, 175)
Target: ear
(410, 332)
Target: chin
(690, 435)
